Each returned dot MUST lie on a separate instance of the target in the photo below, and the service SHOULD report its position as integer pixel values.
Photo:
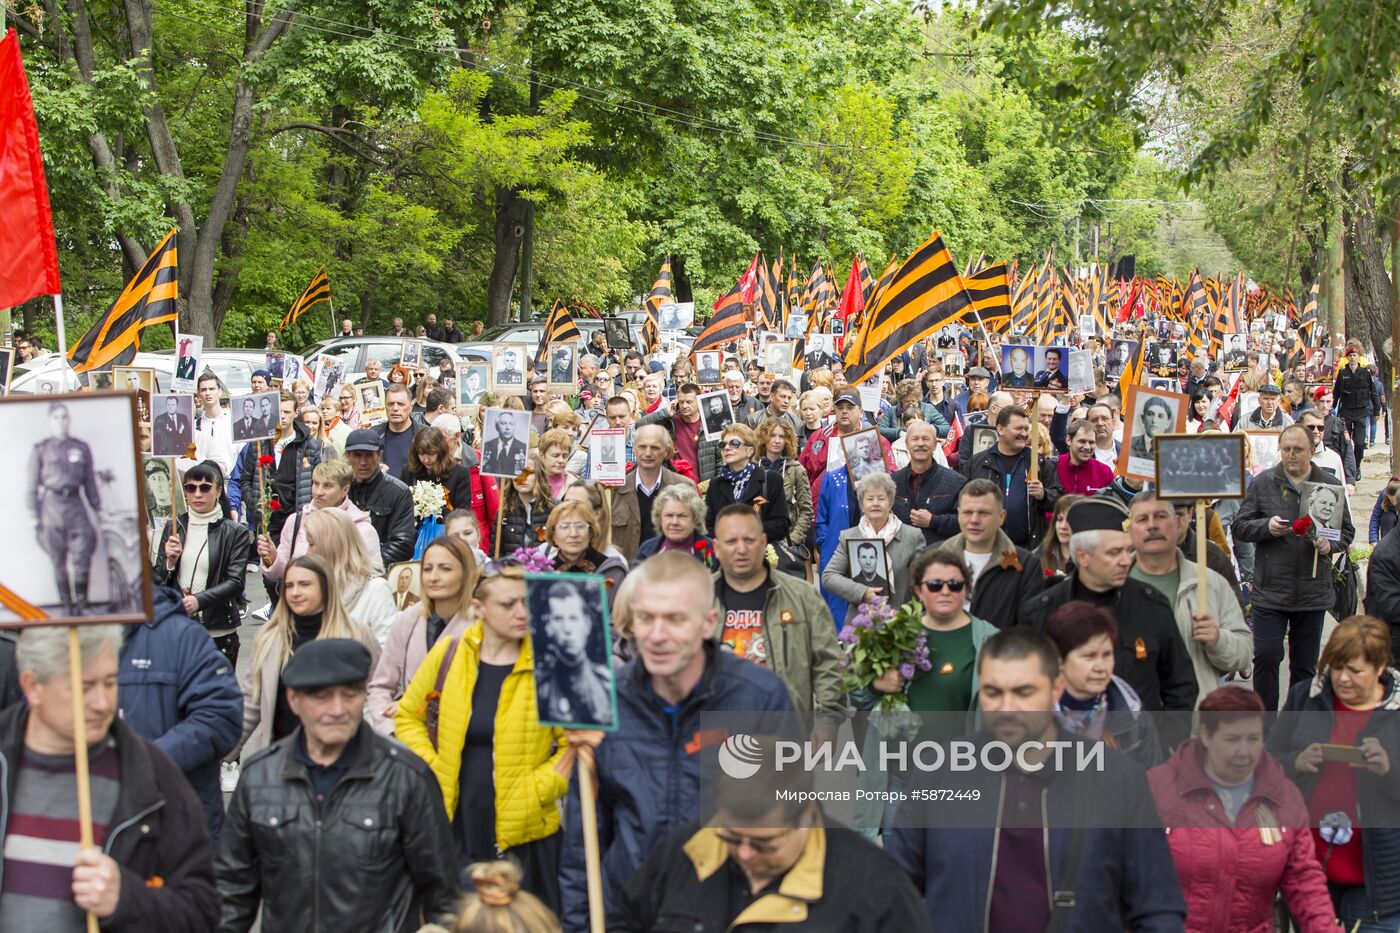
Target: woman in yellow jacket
(502, 774)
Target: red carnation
(265, 460)
(1303, 526)
(274, 504)
(702, 547)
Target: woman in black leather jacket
(207, 557)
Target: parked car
(387, 350)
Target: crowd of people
(374, 759)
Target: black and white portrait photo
(1088, 326)
(1161, 359)
(675, 315)
(869, 563)
(1325, 504)
(172, 424)
(140, 380)
(369, 399)
(188, 350)
(796, 327)
(330, 376)
(473, 379)
(254, 416)
(1122, 354)
(1148, 413)
(777, 358)
(717, 413)
(1016, 367)
(74, 491)
(162, 495)
(574, 684)
(505, 447)
(1163, 385)
(411, 356)
(707, 371)
(983, 437)
(508, 368)
(607, 455)
(100, 381)
(864, 454)
(1080, 379)
(616, 333)
(1235, 347)
(1052, 368)
(273, 363)
(562, 360)
(1200, 466)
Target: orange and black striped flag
(925, 294)
(1195, 303)
(1307, 319)
(767, 311)
(990, 291)
(659, 295)
(726, 324)
(867, 283)
(149, 298)
(318, 291)
(558, 327)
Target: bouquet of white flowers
(429, 499)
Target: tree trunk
(232, 245)
(1369, 302)
(510, 231)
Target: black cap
(1097, 513)
(327, 662)
(847, 395)
(1270, 388)
(364, 439)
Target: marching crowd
(376, 762)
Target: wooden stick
(1033, 471)
(587, 797)
(500, 510)
(80, 750)
(1202, 602)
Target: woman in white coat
(331, 535)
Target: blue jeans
(1304, 631)
(1370, 430)
(1351, 908)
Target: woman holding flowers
(875, 493)
(430, 460)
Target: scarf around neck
(740, 479)
(886, 534)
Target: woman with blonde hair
(527, 500)
(591, 494)
(448, 575)
(502, 774)
(310, 608)
(331, 535)
(574, 534)
(334, 425)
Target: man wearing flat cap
(1269, 415)
(334, 827)
(1149, 654)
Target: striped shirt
(41, 838)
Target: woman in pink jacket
(330, 489)
(1238, 828)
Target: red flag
(1226, 408)
(28, 254)
(749, 282)
(955, 433)
(1127, 308)
(852, 297)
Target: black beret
(1097, 513)
(327, 662)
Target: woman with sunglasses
(448, 573)
(843, 578)
(502, 774)
(207, 558)
(740, 479)
(777, 446)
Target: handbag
(792, 558)
(434, 705)
(1346, 586)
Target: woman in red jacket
(1237, 826)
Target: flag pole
(58, 296)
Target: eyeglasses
(735, 443)
(199, 489)
(570, 528)
(954, 586)
(761, 846)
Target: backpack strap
(431, 712)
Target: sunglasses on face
(954, 586)
(734, 443)
(199, 489)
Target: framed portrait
(97, 381)
(864, 454)
(954, 363)
(473, 381)
(330, 376)
(1234, 350)
(607, 455)
(1160, 384)
(1200, 466)
(561, 360)
(707, 368)
(1249, 404)
(508, 368)
(1088, 327)
(188, 350)
(161, 494)
(1017, 362)
(777, 358)
(1081, 372)
(1122, 354)
(505, 446)
(274, 363)
(1148, 413)
(838, 327)
(616, 333)
(1263, 450)
(77, 551)
(254, 416)
(411, 356)
(172, 424)
(869, 563)
(984, 437)
(138, 379)
(1052, 368)
(1318, 365)
(796, 327)
(369, 398)
(1160, 359)
(294, 369)
(1326, 505)
(406, 583)
(575, 685)
(675, 316)
(716, 412)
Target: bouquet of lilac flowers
(534, 559)
(879, 638)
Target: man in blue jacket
(649, 770)
(1042, 836)
(181, 694)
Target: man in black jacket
(1150, 654)
(1355, 396)
(1334, 437)
(925, 493)
(388, 501)
(334, 827)
(1383, 587)
(1004, 576)
(150, 868)
(1007, 463)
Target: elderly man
(926, 494)
(743, 405)
(334, 827)
(1103, 418)
(1217, 638)
(631, 506)
(978, 380)
(388, 501)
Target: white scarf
(194, 556)
(886, 534)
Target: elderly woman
(1351, 703)
(574, 535)
(777, 448)
(741, 479)
(336, 428)
(678, 513)
(1214, 794)
(349, 414)
(1095, 703)
(852, 577)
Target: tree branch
(351, 142)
